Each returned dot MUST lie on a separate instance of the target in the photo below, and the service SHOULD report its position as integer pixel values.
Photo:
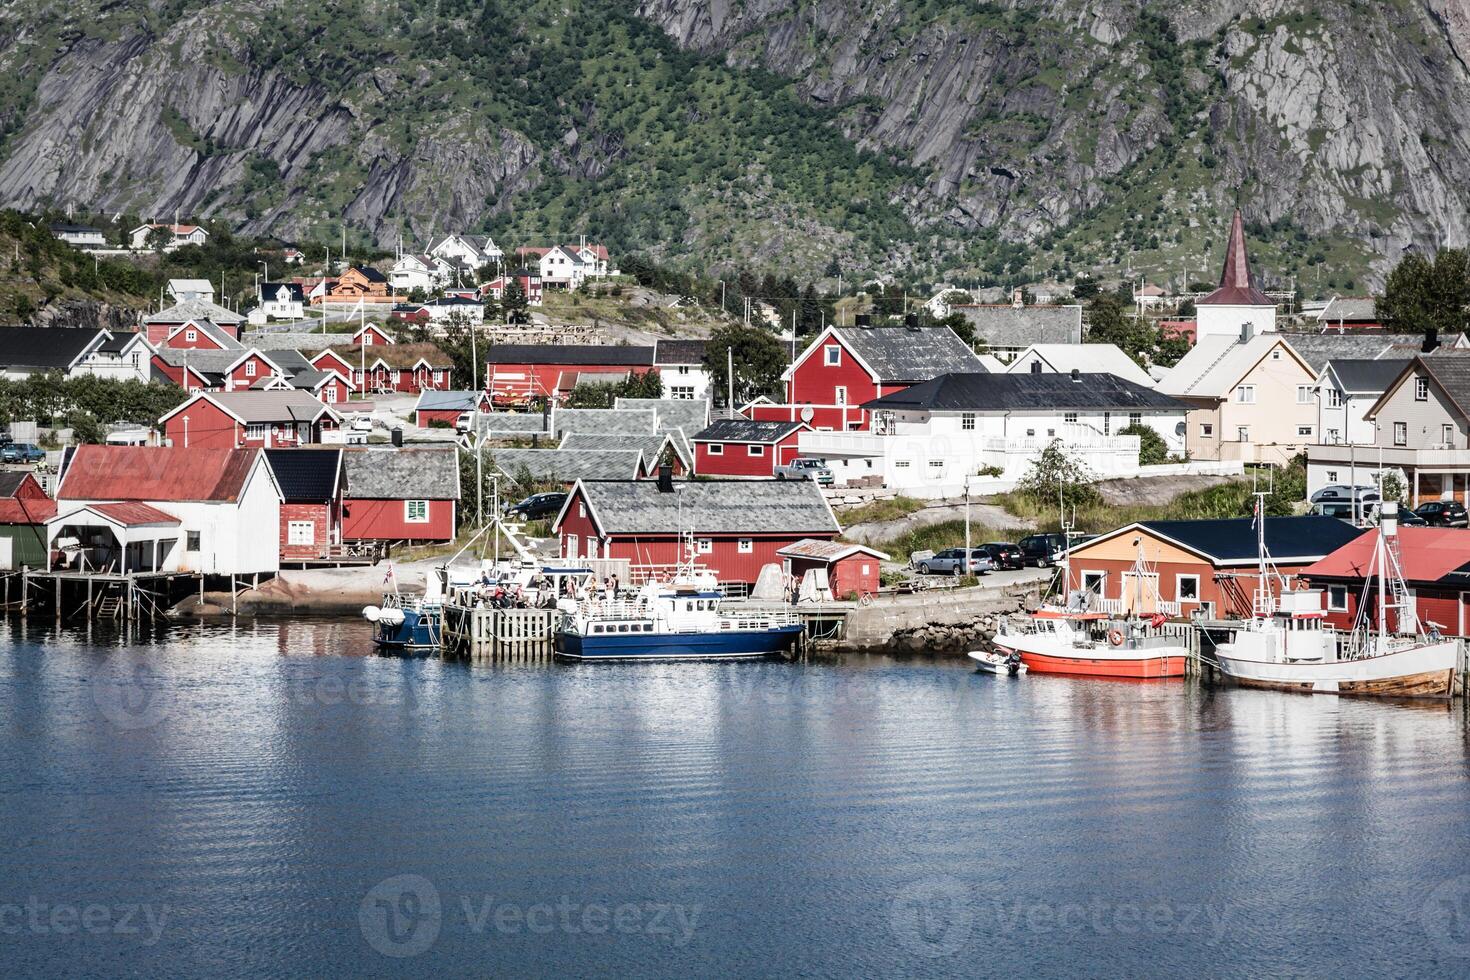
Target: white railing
(1120, 607)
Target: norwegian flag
(1256, 513)
(389, 576)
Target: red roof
(156, 473)
(26, 510)
(1427, 554)
(1236, 288)
(130, 513)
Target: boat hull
(1422, 672)
(418, 631)
(998, 665)
(724, 645)
(1136, 663)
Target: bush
(1058, 478)
(990, 471)
(1151, 447)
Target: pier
(487, 633)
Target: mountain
(964, 139)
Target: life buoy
(1157, 620)
(1115, 637)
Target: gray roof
(315, 343)
(410, 473)
(269, 406)
(511, 423)
(746, 430)
(447, 401)
(651, 446)
(289, 360)
(1319, 348)
(195, 310)
(679, 351)
(310, 378)
(1350, 309)
(1453, 375)
(604, 420)
(1021, 326)
(909, 354)
(208, 361)
(688, 414)
(1366, 375)
(566, 465)
(711, 507)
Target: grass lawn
(880, 510)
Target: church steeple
(1236, 285)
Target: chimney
(911, 321)
(1245, 333)
(1016, 300)
(665, 478)
(1431, 340)
(1076, 376)
(862, 320)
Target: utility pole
(967, 524)
(475, 357)
(730, 378)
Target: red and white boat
(1071, 639)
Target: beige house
(1251, 398)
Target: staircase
(109, 607)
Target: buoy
(1115, 637)
(371, 613)
(391, 617)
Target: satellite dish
(807, 414)
(1179, 428)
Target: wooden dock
(506, 635)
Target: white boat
(1286, 645)
(997, 663)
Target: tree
(1056, 477)
(759, 361)
(158, 239)
(1108, 322)
(1084, 288)
(1421, 295)
(646, 384)
(1152, 450)
(513, 301)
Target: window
(301, 532)
(746, 546)
(571, 545)
(1333, 435)
(1186, 588)
(1242, 433)
(1332, 476)
(1030, 433)
(191, 335)
(191, 541)
(1276, 354)
(581, 510)
(1246, 394)
(438, 377)
(1334, 398)
(704, 546)
(416, 512)
(1337, 598)
(839, 395)
(682, 392)
(683, 369)
(967, 421)
(755, 450)
(717, 449)
(1070, 417)
(1401, 433)
(136, 360)
(1107, 423)
(255, 431)
(832, 355)
(1304, 430)
(1206, 430)
(1304, 394)
(1094, 581)
(936, 464)
(250, 368)
(1421, 389)
(1135, 418)
(1446, 433)
(592, 548)
(901, 464)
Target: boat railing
(1121, 607)
(756, 619)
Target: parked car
(1003, 554)
(362, 423)
(464, 422)
(22, 452)
(951, 561)
(1043, 550)
(1444, 513)
(538, 506)
(1342, 491)
(805, 468)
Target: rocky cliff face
(1096, 125)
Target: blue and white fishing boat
(407, 623)
(685, 619)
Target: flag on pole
(1256, 513)
(389, 576)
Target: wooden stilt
(234, 596)
(57, 580)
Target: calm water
(271, 800)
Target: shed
(312, 486)
(24, 510)
(407, 494)
(837, 569)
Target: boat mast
(1263, 587)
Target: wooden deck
(508, 635)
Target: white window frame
(1304, 394)
(410, 507)
(256, 431)
(967, 421)
(755, 450)
(1401, 433)
(1334, 398)
(331, 394)
(1242, 433)
(704, 546)
(570, 544)
(1332, 604)
(1304, 432)
(1421, 389)
(190, 336)
(832, 355)
(1102, 580)
(1179, 581)
(1245, 394)
(715, 449)
(1332, 476)
(250, 368)
(745, 546)
(1446, 433)
(1207, 430)
(301, 532)
(839, 395)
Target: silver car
(951, 561)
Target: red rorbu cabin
(743, 447)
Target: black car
(1443, 513)
(537, 507)
(1042, 550)
(1004, 555)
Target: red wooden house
(244, 419)
(744, 447)
(200, 335)
(737, 528)
(370, 334)
(847, 366)
(406, 494)
(1436, 568)
(519, 373)
(407, 368)
(447, 406)
(530, 285)
(312, 486)
(25, 508)
(848, 570)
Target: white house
(568, 266)
(423, 272)
(178, 235)
(472, 251)
(191, 290)
(1346, 389)
(927, 440)
(1087, 358)
(122, 356)
(167, 508)
(80, 236)
(278, 301)
(680, 364)
(1238, 302)
(449, 308)
(72, 351)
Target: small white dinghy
(993, 662)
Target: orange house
(361, 282)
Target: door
(1140, 593)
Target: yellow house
(1251, 398)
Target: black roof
(1008, 392)
(10, 481)
(569, 354)
(746, 430)
(294, 288)
(680, 351)
(305, 475)
(56, 229)
(116, 342)
(43, 347)
(371, 274)
(1361, 374)
(1288, 539)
